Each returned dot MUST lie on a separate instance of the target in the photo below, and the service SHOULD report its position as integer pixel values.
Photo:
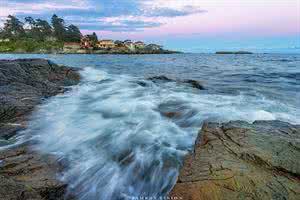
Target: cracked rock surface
(239, 160)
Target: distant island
(234, 52)
(40, 36)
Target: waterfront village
(90, 45)
(39, 36)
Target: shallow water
(113, 132)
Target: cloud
(17, 7)
(125, 15)
(115, 24)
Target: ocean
(124, 136)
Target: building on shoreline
(86, 43)
(105, 44)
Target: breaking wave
(120, 140)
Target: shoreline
(241, 160)
(24, 172)
(234, 160)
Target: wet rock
(238, 160)
(190, 82)
(160, 78)
(24, 83)
(172, 114)
(25, 174)
(194, 84)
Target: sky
(186, 25)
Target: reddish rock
(238, 160)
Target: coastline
(234, 160)
(25, 173)
(95, 52)
(241, 160)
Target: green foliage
(73, 34)
(13, 28)
(36, 35)
(30, 45)
(59, 29)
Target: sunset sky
(188, 25)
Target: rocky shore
(87, 51)
(25, 83)
(239, 160)
(234, 160)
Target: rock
(25, 174)
(239, 160)
(172, 114)
(162, 78)
(24, 83)
(194, 84)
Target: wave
(120, 140)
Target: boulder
(239, 160)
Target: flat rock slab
(25, 174)
(239, 160)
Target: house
(139, 44)
(86, 43)
(130, 45)
(71, 46)
(106, 44)
(154, 47)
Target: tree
(119, 43)
(30, 21)
(93, 38)
(73, 34)
(38, 29)
(44, 27)
(13, 28)
(59, 29)
(1, 33)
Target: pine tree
(59, 29)
(13, 28)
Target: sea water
(114, 134)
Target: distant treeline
(39, 29)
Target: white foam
(117, 141)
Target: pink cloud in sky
(237, 18)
